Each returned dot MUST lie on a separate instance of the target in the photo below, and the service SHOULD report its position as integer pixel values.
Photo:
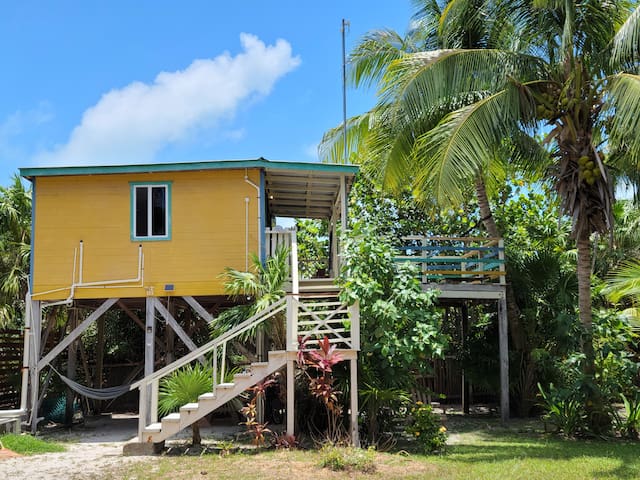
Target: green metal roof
(31, 172)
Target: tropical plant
(185, 386)
(15, 249)
(256, 428)
(629, 425)
(564, 409)
(624, 284)
(400, 324)
(380, 407)
(256, 289)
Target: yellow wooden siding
(207, 233)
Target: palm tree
(15, 248)
(261, 286)
(575, 85)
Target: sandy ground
(91, 449)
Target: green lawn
(480, 452)
(28, 445)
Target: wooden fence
(11, 345)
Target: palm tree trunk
(513, 312)
(584, 299)
(598, 420)
(196, 439)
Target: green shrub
(426, 428)
(348, 459)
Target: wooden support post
(199, 309)
(173, 323)
(291, 417)
(169, 335)
(34, 371)
(149, 357)
(135, 318)
(353, 367)
(97, 382)
(504, 359)
(72, 356)
(464, 323)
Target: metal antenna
(345, 26)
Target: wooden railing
(456, 259)
(275, 238)
(312, 317)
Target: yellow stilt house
(156, 238)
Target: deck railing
(455, 259)
(275, 238)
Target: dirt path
(91, 450)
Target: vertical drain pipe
(246, 234)
(259, 233)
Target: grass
(478, 451)
(28, 445)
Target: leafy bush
(629, 425)
(564, 409)
(427, 429)
(348, 459)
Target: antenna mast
(345, 25)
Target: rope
(96, 393)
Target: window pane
(141, 212)
(159, 211)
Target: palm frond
(624, 102)
(626, 42)
(463, 145)
(625, 282)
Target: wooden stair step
(207, 397)
(227, 386)
(190, 406)
(172, 417)
(259, 365)
(243, 375)
(153, 428)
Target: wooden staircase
(208, 402)
(318, 285)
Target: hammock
(96, 393)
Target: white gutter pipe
(248, 180)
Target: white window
(150, 211)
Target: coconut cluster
(588, 170)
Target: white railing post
(354, 314)
(294, 263)
(142, 412)
(154, 401)
(215, 369)
(292, 323)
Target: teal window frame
(146, 238)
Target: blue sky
(96, 82)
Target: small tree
(182, 387)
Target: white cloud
(133, 123)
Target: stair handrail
(259, 317)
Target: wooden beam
(137, 320)
(101, 310)
(176, 327)
(206, 316)
(353, 388)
